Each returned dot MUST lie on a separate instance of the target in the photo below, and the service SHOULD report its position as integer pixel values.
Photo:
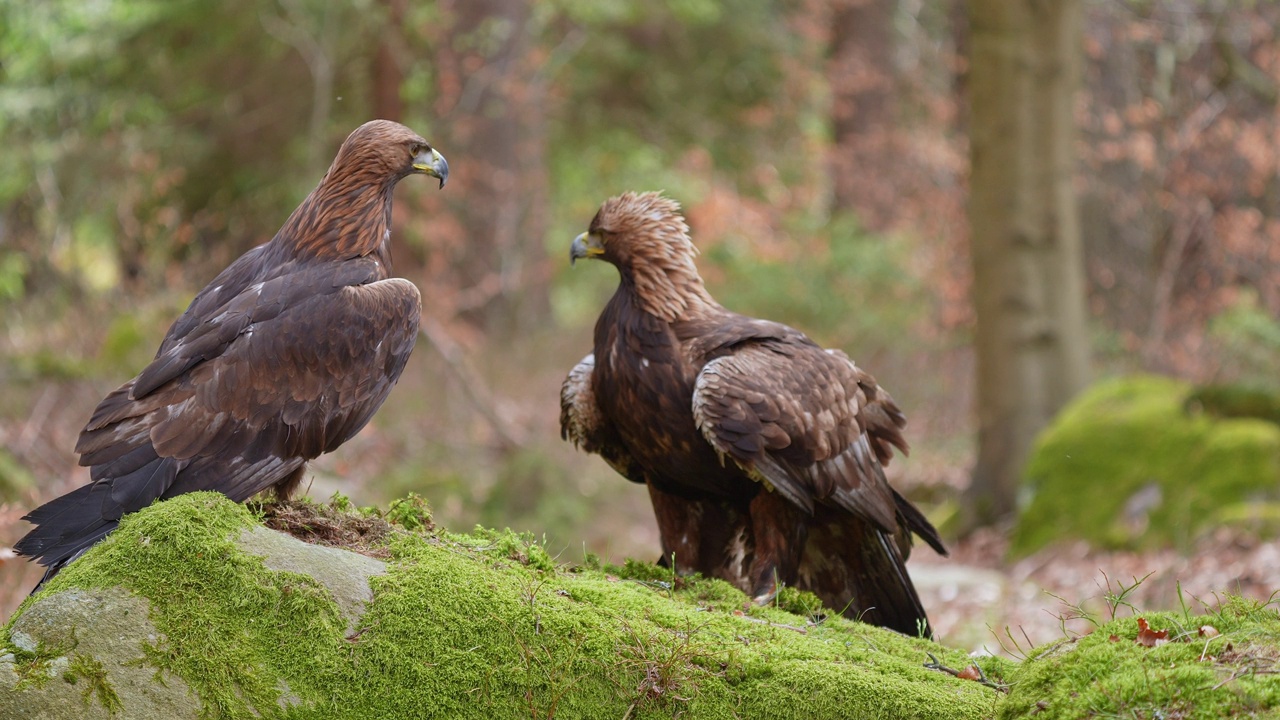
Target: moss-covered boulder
(192, 609)
(1161, 665)
(1129, 464)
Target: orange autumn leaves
(1147, 637)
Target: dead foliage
(324, 524)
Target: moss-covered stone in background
(1125, 465)
(1235, 401)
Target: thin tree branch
(474, 386)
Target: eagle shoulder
(580, 418)
(584, 424)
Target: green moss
(799, 602)
(94, 675)
(642, 571)
(1235, 401)
(505, 545)
(411, 513)
(32, 666)
(486, 625)
(1107, 674)
(231, 628)
(1124, 465)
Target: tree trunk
(1031, 340)
(860, 74)
(388, 72)
(498, 133)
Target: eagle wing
(582, 423)
(281, 372)
(797, 417)
(817, 429)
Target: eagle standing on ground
(762, 452)
(283, 357)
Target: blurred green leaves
(653, 79)
(1249, 338)
(139, 131)
(848, 288)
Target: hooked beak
(433, 164)
(586, 245)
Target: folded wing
(278, 374)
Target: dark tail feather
(63, 520)
(67, 526)
(919, 524)
(859, 571)
(60, 556)
(885, 592)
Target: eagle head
(637, 227)
(388, 150)
(646, 238)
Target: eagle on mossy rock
(283, 357)
(762, 452)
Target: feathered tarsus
(284, 356)
(762, 451)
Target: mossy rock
(1235, 400)
(1216, 665)
(193, 609)
(1125, 465)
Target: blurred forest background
(820, 148)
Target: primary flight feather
(283, 357)
(763, 452)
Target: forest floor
(979, 601)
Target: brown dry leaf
(611, 578)
(970, 673)
(1208, 631)
(1114, 638)
(1148, 637)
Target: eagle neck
(668, 293)
(342, 218)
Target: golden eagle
(284, 356)
(762, 451)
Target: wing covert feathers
(579, 417)
(794, 418)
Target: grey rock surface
(90, 643)
(100, 629)
(345, 574)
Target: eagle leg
(779, 529)
(288, 485)
(679, 527)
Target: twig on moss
(982, 678)
(1244, 672)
